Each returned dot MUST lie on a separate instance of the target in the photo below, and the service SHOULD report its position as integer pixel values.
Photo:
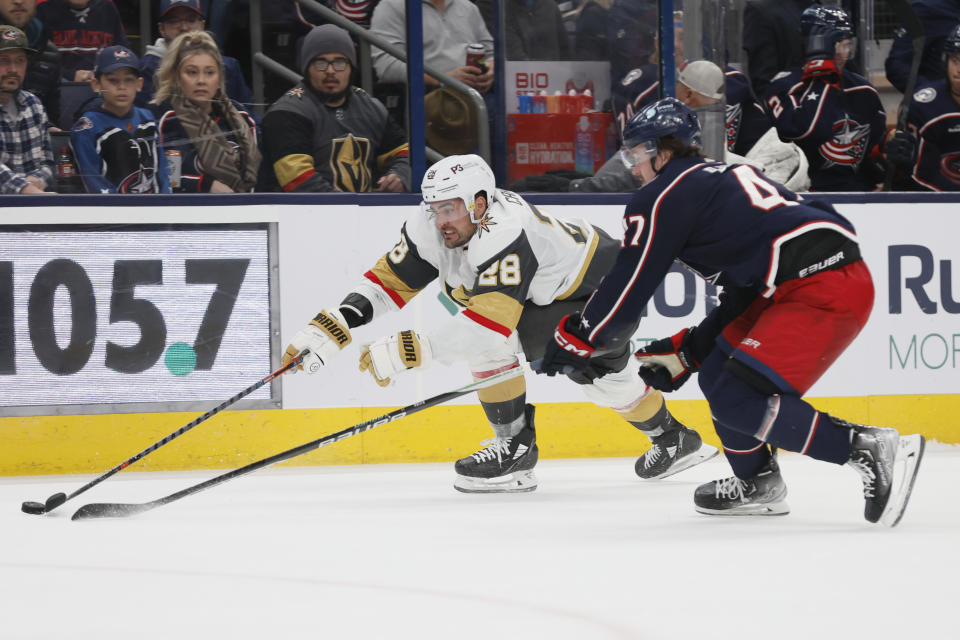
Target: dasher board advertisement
(133, 317)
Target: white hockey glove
(324, 337)
(395, 354)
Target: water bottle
(583, 147)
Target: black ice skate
(761, 495)
(888, 465)
(505, 465)
(672, 452)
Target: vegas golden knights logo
(350, 164)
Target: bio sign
(132, 316)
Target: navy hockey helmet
(952, 44)
(666, 117)
(832, 17)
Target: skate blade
(517, 482)
(905, 467)
(770, 509)
(704, 453)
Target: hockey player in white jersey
(515, 272)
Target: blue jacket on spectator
(80, 34)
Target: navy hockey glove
(821, 69)
(666, 364)
(567, 353)
(900, 149)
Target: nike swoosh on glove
(667, 363)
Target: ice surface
(392, 551)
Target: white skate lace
(496, 447)
(731, 487)
(865, 469)
(650, 457)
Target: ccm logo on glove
(571, 345)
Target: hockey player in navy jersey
(795, 294)
(831, 113)
(116, 143)
(513, 271)
(935, 119)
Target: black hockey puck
(33, 508)
(55, 501)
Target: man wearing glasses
(180, 16)
(325, 134)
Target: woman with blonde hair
(215, 138)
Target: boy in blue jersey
(795, 294)
(116, 143)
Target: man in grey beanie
(325, 134)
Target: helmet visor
(847, 48)
(634, 152)
(448, 210)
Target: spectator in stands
(182, 16)
(534, 29)
(26, 160)
(359, 11)
(327, 135)
(215, 138)
(448, 27)
(590, 36)
(937, 18)
(43, 66)
(831, 113)
(80, 29)
(770, 29)
(935, 119)
(750, 138)
(631, 35)
(116, 143)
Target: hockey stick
(908, 18)
(57, 499)
(119, 510)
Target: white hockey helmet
(462, 177)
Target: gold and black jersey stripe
(402, 272)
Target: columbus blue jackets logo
(849, 143)
(83, 124)
(927, 94)
(950, 166)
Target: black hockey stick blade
(120, 510)
(57, 499)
